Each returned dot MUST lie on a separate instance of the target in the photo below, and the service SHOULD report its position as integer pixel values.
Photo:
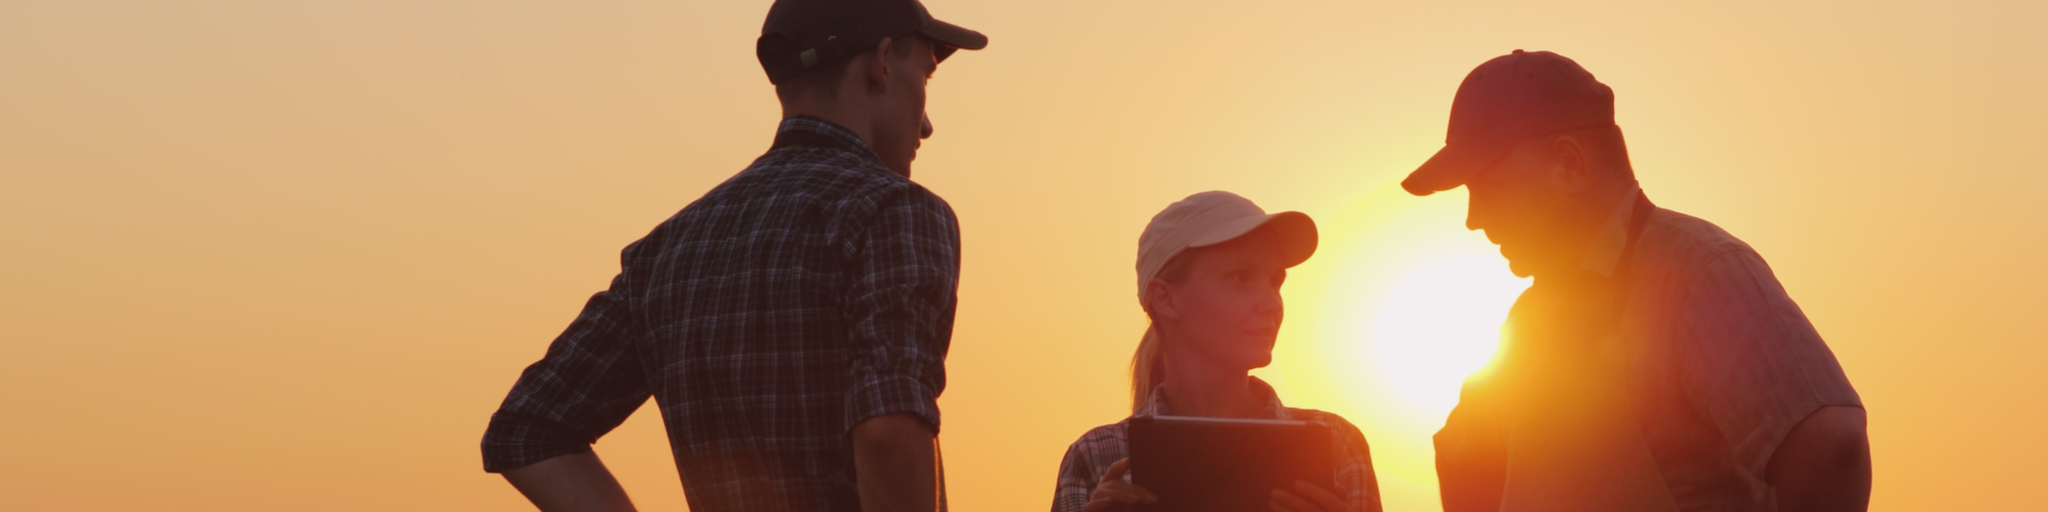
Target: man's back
(807, 293)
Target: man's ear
(1569, 165)
(1159, 300)
(878, 66)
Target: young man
(1656, 364)
(793, 323)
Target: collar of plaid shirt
(814, 132)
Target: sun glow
(1398, 306)
(1426, 328)
(1413, 305)
(1405, 303)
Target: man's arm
(900, 308)
(895, 463)
(1760, 371)
(1824, 463)
(587, 384)
(576, 482)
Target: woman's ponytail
(1148, 368)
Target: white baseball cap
(1215, 217)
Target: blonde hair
(1148, 368)
(1148, 365)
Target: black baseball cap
(1508, 99)
(804, 34)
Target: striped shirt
(809, 292)
(1090, 456)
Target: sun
(1429, 324)
(1408, 302)
(1398, 306)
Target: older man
(793, 323)
(1656, 364)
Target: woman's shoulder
(1299, 414)
(1091, 454)
(1339, 426)
(1101, 437)
(1355, 473)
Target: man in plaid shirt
(792, 323)
(1656, 364)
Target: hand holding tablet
(1194, 464)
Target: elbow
(1824, 463)
(1832, 441)
(891, 434)
(1847, 439)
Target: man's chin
(1518, 266)
(1518, 271)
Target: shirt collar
(1274, 410)
(828, 129)
(1608, 244)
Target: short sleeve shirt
(1709, 364)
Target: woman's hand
(1306, 497)
(1112, 493)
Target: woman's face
(1226, 309)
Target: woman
(1209, 274)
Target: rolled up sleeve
(1754, 363)
(900, 305)
(587, 384)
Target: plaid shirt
(1663, 377)
(1090, 456)
(809, 292)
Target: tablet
(1225, 465)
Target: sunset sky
(288, 255)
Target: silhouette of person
(793, 322)
(1655, 364)
(1209, 273)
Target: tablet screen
(1225, 465)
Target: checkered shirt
(809, 292)
(1715, 362)
(1090, 456)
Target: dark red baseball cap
(805, 34)
(1506, 100)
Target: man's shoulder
(834, 175)
(839, 183)
(802, 169)
(1682, 241)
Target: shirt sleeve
(589, 382)
(900, 305)
(1752, 362)
(1076, 480)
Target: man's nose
(925, 132)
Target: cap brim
(1451, 167)
(953, 37)
(1297, 234)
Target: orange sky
(261, 255)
